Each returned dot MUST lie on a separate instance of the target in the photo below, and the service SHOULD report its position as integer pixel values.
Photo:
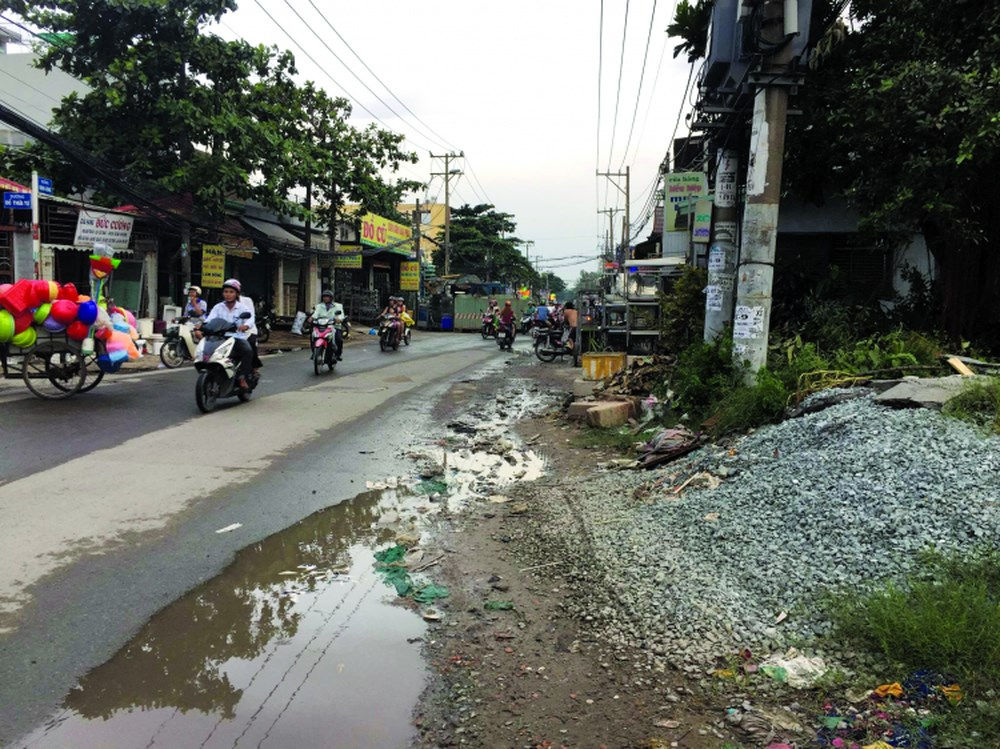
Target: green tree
(588, 279)
(177, 107)
(482, 243)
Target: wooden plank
(959, 366)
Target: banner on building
(98, 227)
(702, 227)
(11, 186)
(409, 276)
(683, 189)
(378, 231)
(344, 261)
(213, 266)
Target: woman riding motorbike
(230, 309)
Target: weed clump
(978, 403)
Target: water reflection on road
(295, 644)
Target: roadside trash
(702, 478)
(669, 445)
(800, 672)
(498, 499)
(431, 615)
(430, 593)
(229, 528)
(498, 605)
(889, 690)
(518, 508)
(667, 724)
(300, 318)
(711, 517)
(432, 486)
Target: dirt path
(534, 674)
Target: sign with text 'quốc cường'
(409, 276)
(213, 266)
(98, 227)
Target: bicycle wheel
(53, 375)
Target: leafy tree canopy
(174, 106)
(482, 243)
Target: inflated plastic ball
(25, 338)
(53, 325)
(87, 312)
(6, 326)
(42, 312)
(69, 293)
(64, 311)
(78, 330)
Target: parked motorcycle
(324, 344)
(178, 343)
(264, 321)
(216, 367)
(548, 343)
(489, 329)
(505, 337)
(388, 334)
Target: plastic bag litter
(430, 593)
(300, 318)
(799, 671)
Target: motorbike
(264, 321)
(548, 343)
(388, 334)
(505, 337)
(178, 343)
(527, 322)
(324, 344)
(216, 367)
(489, 329)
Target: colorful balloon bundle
(27, 306)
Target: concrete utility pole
(755, 273)
(447, 174)
(417, 250)
(611, 229)
(36, 230)
(722, 248)
(624, 190)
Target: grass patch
(622, 439)
(944, 619)
(978, 403)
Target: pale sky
(513, 85)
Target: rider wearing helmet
(507, 318)
(196, 308)
(330, 309)
(230, 309)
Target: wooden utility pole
(722, 247)
(447, 174)
(755, 272)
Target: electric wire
(349, 70)
(442, 141)
(621, 65)
(600, 66)
(642, 76)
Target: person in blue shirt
(196, 308)
(542, 314)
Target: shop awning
(283, 239)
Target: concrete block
(583, 388)
(608, 414)
(634, 402)
(930, 392)
(578, 410)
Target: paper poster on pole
(716, 258)
(713, 298)
(748, 322)
(702, 220)
(213, 266)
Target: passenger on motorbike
(570, 318)
(196, 308)
(230, 309)
(248, 304)
(392, 314)
(328, 308)
(507, 318)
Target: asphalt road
(111, 501)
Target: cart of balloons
(56, 320)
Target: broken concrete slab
(578, 409)
(634, 402)
(583, 388)
(928, 392)
(608, 414)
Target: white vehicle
(179, 344)
(216, 367)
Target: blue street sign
(18, 200)
(45, 185)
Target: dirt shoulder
(516, 660)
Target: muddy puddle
(297, 643)
(303, 641)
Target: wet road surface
(79, 615)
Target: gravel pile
(836, 500)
